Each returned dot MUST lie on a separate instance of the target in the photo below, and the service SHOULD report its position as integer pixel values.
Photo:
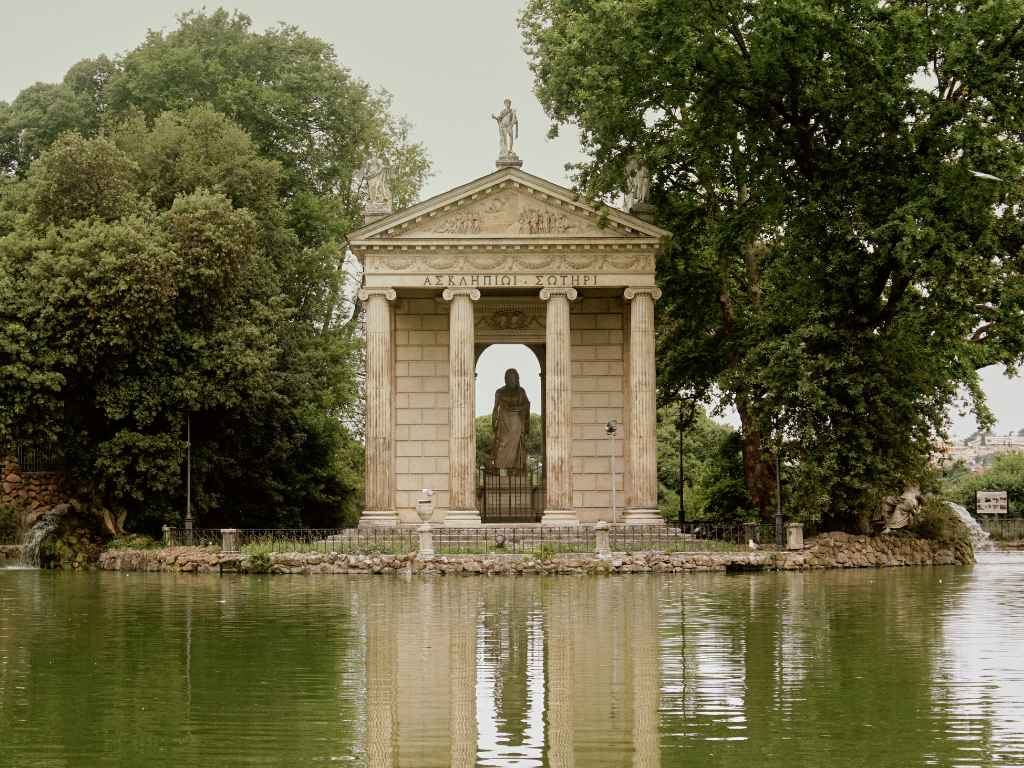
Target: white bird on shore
(752, 545)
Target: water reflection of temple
(460, 675)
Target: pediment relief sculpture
(509, 214)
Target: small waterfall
(37, 534)
(979, 536)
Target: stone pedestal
(229, 540)
(641, 445)
(426, 535)
(558, 507)
(462, 509)
(380, 509)
(602, 540)
(795, 536)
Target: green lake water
(894, 667)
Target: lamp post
(611, 428)
(779, 532)
(188, 478)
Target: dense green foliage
(714, 487)
(171, 248)
(1006, 474)
(839, 269)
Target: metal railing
(514, 540)
(1003, 529)
(47, 458)
(510, 497)
(192, 537)
(538, 540)
(278, 540)
(693, 537)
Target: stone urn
(425, 506)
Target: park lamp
(610, 429)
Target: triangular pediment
(507, 204)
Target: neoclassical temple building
(509, 258)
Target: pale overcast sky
(448, 63)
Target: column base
(559, 517)
(642, 517)
(462, 518)
(378, 518)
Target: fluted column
(462, 509)
(379, 509)
(558, 506)
(642, 469)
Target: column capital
(388, 293)
(642, 290)
(450, 293)
(570, 293)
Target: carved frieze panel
(510, 320)
(590, 262)
(507, 212)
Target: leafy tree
(172, 229)
(282, 87)
(839, 269)
(714, 487)
(1006, 474)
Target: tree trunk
(758, 469)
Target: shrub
(257, 562)
(935, 520)
(133, 541)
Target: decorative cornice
(642, 290)
(450, 293)
(605, 260)
(507, 179)
(388, 293)
(569, 293)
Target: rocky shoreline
(832, 550)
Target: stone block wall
(31, 493)
(599, 392)
(421, 404)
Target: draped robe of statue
(510, 421)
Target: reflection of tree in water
(843, 663)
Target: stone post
(795, 536)
(229, 541)
(641, 446)
(604, 548)
(426, 548)
(750, 532)
(462, 511)
(558, 507)
(379, 508)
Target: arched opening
(510, 432)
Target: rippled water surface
(898, 667)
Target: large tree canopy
(171, 249)
(844, 185)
